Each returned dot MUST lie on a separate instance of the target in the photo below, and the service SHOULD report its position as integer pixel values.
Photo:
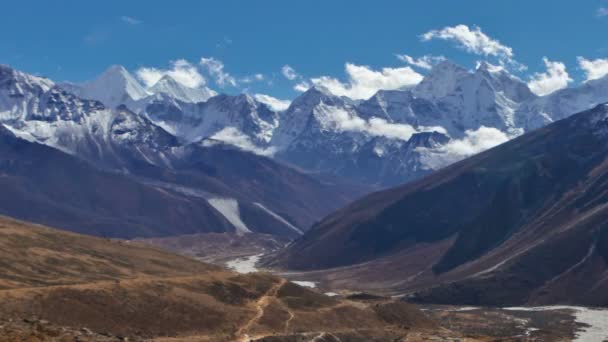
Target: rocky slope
(521, 223)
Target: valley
(453, 197)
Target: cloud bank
(338, 119)
(232, 136)
(473, 142)
(363, 82)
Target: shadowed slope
(523, 222)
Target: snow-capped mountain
(37, 110)
(113, 87)
(248, 120)
(465, 111)
(170, 87)
(462, 100)
(190, 114)
(245, 189)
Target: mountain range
(251, 167)
(523, 223)
(389, 139)
(116, 173)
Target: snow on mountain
(565, 102)
(113, 87)
(37, 110)
(190, 114)
(470, 110)
(194, 122)
(122, 141)
(317, 131)
(303, 118)
(464, 100)
(229, 208)
(170, 87)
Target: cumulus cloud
(181, 71)
(130, 20)
(424, 62)
(272, 102)
(215, 68)
(252, 78)
(232, 136)
(473, 40)
(339, 119)
(302, 86)
(602, 12)
(594, 69)
(363, 82)
(555, 78)
(473, 142)
(289, 72)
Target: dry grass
(126, 289)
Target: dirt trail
(260, 306)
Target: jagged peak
(167, 79)
(315, 95)
(9, 73)
(441, 80)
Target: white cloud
(302, 86)
(594, 69)
(473, 142)
(181, 71)
(602, 12)
(216, 69)
(554, 79)
(363, 82)
(252, 78)
(289, 72)
(424, 62)
(474, 41)
(335, 118)
(272, 102)
(130, 20)
(233, 136)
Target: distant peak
(448, 65)
(487, 67)
(442, 80)
(166, 80)
(116, 68)
(317, 91)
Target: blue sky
(76, 40)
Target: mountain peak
(12, 76)
(484, 66)
(441, 80)
(113, 87)
(166, 79)
(173, 88)
(116, 68)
